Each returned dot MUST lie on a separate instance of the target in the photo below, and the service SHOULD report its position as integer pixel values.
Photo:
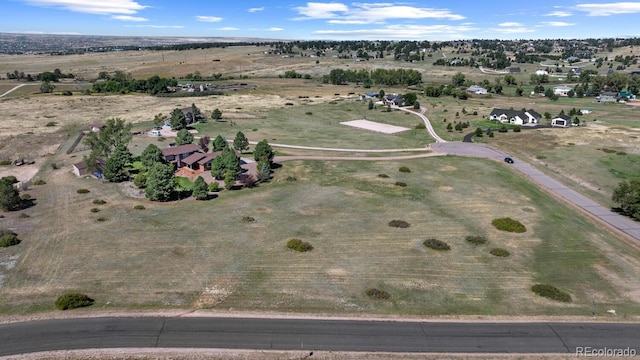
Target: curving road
(325, 335)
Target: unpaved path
(14, 89)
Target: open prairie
(229, 253)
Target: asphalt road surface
(614, 220)
(303, 334)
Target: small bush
(39, 182)
(51, 123)
(67, 93)
(99, 202)
(608, 151)
(25, 196)
(101, 219)
(83, 191)
(214, 186)
(421, 126)
(384, 176)
(5, 162)
(248, 219)
(162, 138)
(476, 240)
(73, 300)
(508, 224)
(551, 292)
(23, 216)
(289, 104)
(399, 224)
(139, 207)
(499, 252)
(378, 294)
(621, 153)
(290, 178)
(541, 157)
(308, 113)
(95, 210)
(8, 239)
(404, 169)
(299, 245)
(400, 184)
(436, 244)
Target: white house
(515, 117)
(542, 72)
(476, 89)
(561, 121)
(562, 90)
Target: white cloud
(559, 13)
(370, 13)
(512, 30)
(435, 32)
(511, 24)
(609, 9)
(128, 18)
(256, 9)
(105, 7)
(227, 28)
(274, 29)
(158, 26)
(209, 18)
(557, 23)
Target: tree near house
(161, 182)
(226, 162)
(229, 180)
(263, 151)
(627, 196)
(116, 132)
(115, 168)
(241, 143)
(216, 114)
(46, 87)
(196, 113)
(178, 119)
(458, 79)
(151, 155)
(184, 137)
(219, 143)
(9, 196)
(200, 189)
(159, 119)
(203, 143)
(410, 98)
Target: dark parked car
(508, 160)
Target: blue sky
(340, 20)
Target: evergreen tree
(216, 114)
(370, 104)
(229, 180)
(241, 143)
(200, 189)
(219, 143)
(195, 112)
(9, 196)
(184, 137)
(161, 182)
(151, 155)
(478, 132)
(263, 151)
(178, 119)
(449, 127)
(115, 168)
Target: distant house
(176, 154)
(626, 94)
(513, 69)
(542, 72)
(393, 99)
(515, 117)
(562, 90)
(476, 89)
(198, 160)
(561, 121)
(80, 168)
(607, 96)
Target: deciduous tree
(184, 137)
(627, 196)
(115, 132)
(178, 119)
(203, 143)
(115, 168)
(9, 196)
(161, 182)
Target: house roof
(181, 149)
(83, 166)
(609, 93)
(208, 157)
(563, 117)
(508, 113)
(195, 157)
(534, 114)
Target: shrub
(99, 202)
(72, 300)
(67, 93)
(95, 210)
(23, 216)
(384, 176)
(399, 224)
(51, 123)
(290, 178)
(25, 196)
(421, 126)
(621, 153)
(608, 151)
(508, 224)
(436, 244)
(5, 162)
(551, 292)
(404, 169)
(289, 104)
(39, 182)
(162, 138)
(8, 239)
(101, 219)
(308, 113)
(139, 207)
(499, 252)
(214, 186)
(248, 219)
(516, 128)
(377, 294)
(83, 191)
(400, 184)
(541, 157)
(476, 240)
(299, 245)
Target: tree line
(389, 77)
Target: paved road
(296, 334)
(614, 220)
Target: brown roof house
(80, 169)
(177, 154)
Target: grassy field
(193, 255)
(206, 255)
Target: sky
(326, 20)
